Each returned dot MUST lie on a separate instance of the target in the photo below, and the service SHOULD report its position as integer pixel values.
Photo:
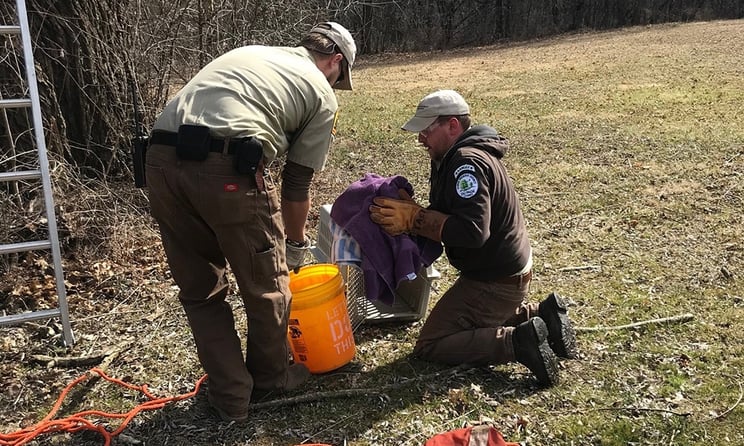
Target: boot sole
(549, 376)
(565, 345)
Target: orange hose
(78, 422)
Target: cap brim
(345, 83)
(417, 123)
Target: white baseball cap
(345, 43)
(434, 105)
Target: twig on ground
(664, 320)
(69, 361)
(581, 268)
(113, 354)
(104, 359)
(356, 392)
(644, 409)
(727, 411)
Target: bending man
(215, 203)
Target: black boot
(561, 335)
(531, 349)
(297, 374)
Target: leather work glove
(395, 216)
(405, 216)
(296, 253)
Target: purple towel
(387, 260)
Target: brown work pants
(473, 323)
(210, 216)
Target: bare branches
(86, 48)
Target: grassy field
(628, 155)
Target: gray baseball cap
(434, 105)
(345, 43)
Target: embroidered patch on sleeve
(466, 185)
(464, 168)
(335, 121)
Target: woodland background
(94, 57)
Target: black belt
(165, 138)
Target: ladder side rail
(44, 167)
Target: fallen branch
(664, 320)
(356, 392)
(644, 409)
(69, 361)
(104, 359)
(581, 268)
(113, 354)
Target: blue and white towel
(344, 249)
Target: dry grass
(628, 153)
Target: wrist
(297, 244)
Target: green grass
(629, 157)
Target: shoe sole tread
(565, 345)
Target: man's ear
(328, 63)
(338, 57)
(453, 124)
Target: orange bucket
(319, 332)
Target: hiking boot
(297, 374)
(531, 349)
(561, 335)
(230, 416)
(237, 416)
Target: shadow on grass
(351, 405)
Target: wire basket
(411, 297)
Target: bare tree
(93, 54)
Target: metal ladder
(42, 173)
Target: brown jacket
(485, 236)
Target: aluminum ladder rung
(20, 175)
(25, 246)
(15, 103)
(31, 316)
(10, 29)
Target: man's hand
(393, 215)
(296, 253)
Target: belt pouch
(248, 153)
(193, 142)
